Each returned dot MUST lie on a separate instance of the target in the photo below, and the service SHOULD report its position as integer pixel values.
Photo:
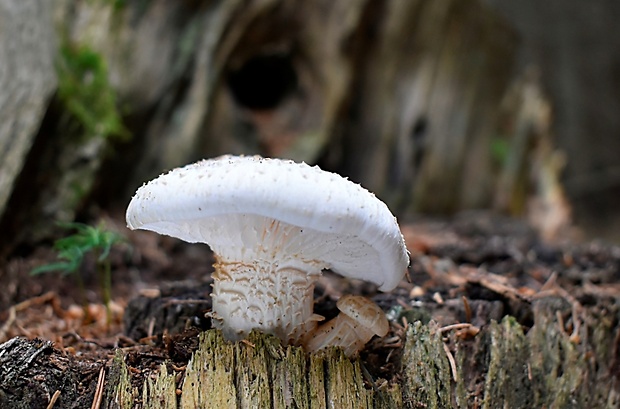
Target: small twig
(467, 308)
(558, 316)
(452, 362)
(496, 283)
(454, 326)
(99, 391)
(9, 322)
(24, 331)
(551, 288)
(151, 328)
(41, 299)
(79, 338)
(184, 302)
(389, 355)
(53, 400)
(42, 348)
(368, 376)
(24, 305)
(147, 340)
(403, 303)
(248, 343)
(124, 339)
(550, 283)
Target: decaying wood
(492, 321)
(31, 372)
(543, 366)
(502, 366)
(259, 373)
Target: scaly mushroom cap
(336, 221)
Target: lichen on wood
(549, 365)
(211, 368)
(566, 370)
(426, 368)
(119, 391)
(161, 390)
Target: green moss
(500, 150)
(118, 387)
(85, 92)
(427, 377)
(507, 374)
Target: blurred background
(437, 106)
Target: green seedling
(71, 251)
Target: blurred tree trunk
(424, 105)
(402, 97)
(27, 81)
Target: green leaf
(51, 267)
(71, 249)
(108, 239)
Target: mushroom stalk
(273, 226)
(359, 320)
(261, 282)
(260, 295)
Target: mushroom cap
(365, 312)
(342, 224)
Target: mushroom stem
(359, 320)
(341, 331)
(260, 295)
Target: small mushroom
(273, 226)
(360, 319)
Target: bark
(32, 371)
(27, 82)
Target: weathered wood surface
(32, 371)
(259, 373)
(500, 367)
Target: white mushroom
(359, 321)
(273, 226)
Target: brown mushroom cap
(365, 312)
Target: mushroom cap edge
(294, 193)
